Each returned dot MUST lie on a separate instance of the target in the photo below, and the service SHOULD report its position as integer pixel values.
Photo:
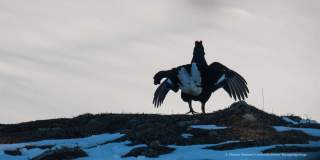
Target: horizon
(161, 114)
(67, 58)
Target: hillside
(239, 131)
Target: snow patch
(308, 121)
(287, 119)
(186, 135)
(310, 131)
(114, 151)
(83, 143)
(302, 121)
(212, 126)
(195, 152)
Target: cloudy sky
(62, 58)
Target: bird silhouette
(198, 58)
(197, 81)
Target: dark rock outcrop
(13, 152)
(154, 149)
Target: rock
(49, 129)
(135, 152)
(148, 151)
(151, 153)
(195, 121)
(148, 132)
(249, 117)
(291, 149)
(237, 145)
(294, 118)
(306, 125)
(213, 133)
(184, 123)
(154, 144)
(125, 131)
(134, 121)
(94, 122)
(294, 137)
(13, 152)
(30, 146)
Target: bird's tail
(198, 54)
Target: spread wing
(236, 86)
(232, 82)
(161, 92)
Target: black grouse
(197, 82)
(198, 58)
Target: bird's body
(198, 58)
(198, 82)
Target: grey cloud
(65, 58)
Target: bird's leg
(191, 109)
(203, 108)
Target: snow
(310, 131)
(287, 119)
(195, 152)
(186, 135)
(208, 127)
(96, 150)
(302, 121)
(86, 142)
(308, 121)
(109, 151)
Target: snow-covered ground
(302, 121)
(113, 151)
(287, 119)
(310, 131)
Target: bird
(198, 58)
(197, 82)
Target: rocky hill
(149, 135)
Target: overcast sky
(63, 58)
